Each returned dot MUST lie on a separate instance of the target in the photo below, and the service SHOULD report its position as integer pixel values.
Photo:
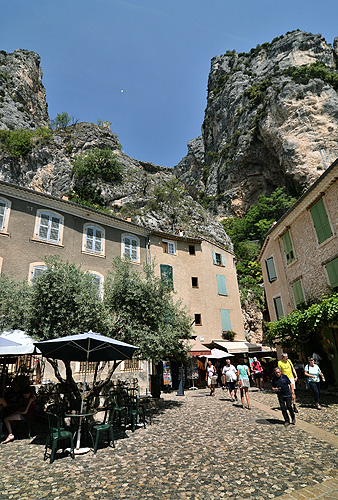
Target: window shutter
(332, 271)
(89, 238)
(321, 221)
(98, 241)
(278, 307)
(221, 285)
(214, 259)
(54, 229)
(225, 317)
(43, 226)
(288, 248)
(167, 275)
(270, 267)
(3, 207)
(298, 292)
(223, 260)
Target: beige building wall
(203, 299)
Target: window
(277, 302)
(93, 239)
(298, 293)
(5, 206)
(222, 289)
(192, 250)
(49, 227)
(270, 269)
(332, 272)
(169, 247)
(91, 366)
(194, 282)
(225, 318)
(38, 270)
(198, 319)
(321, 221)
(131, 248)
(167, 275)
(97, 282)
(218, 259)
(131, 365)
(288, 247)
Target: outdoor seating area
(58, 418)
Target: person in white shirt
(230, 373)
(313, 374)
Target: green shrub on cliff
(20, 142)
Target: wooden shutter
(225, 317)
(167, 275)
(332, 271)
(221, 285)
(270, 268)
(321, 221)
(288, 248)
(298, 292)
(223, 260)
(278, 307)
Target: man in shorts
(288, 369)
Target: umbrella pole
(82, 399)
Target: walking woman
(243, 374)
(312, 373)
(211, 377)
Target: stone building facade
(203, 274)
(299, 257)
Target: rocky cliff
(149, 194)
(22, 95)
(271, 120)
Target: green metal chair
(57, 433)
(135, 410)
(105, 426)
(119, 404)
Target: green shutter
(221, 285)
(225, 317)
(332, 271)
(298, 292)
(321, 221)
(278, 307)
(288, 248)
(167, 275)
(270, 267)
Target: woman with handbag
(312, 373)
(243, 374)
(211, 377)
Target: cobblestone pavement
(196, 447)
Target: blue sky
(157, 51)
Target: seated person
(13, 398)
(22, 413)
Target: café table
(82, 420)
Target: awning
(25, 342)
(217, 354)
(236, 347)
(200, 353)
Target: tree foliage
(62, 120)
(300, 326)
(145, 313)
(19, 143)
(247, 234)
(97, 164)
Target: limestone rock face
(22, 94)
(265, 125)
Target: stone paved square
(195, 447)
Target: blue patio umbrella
(86, 347)
(7, 343)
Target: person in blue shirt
(281, 384)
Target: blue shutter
(214, 260)
(221, 285)
(167, 275)
(223, 260)
(225, 317)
